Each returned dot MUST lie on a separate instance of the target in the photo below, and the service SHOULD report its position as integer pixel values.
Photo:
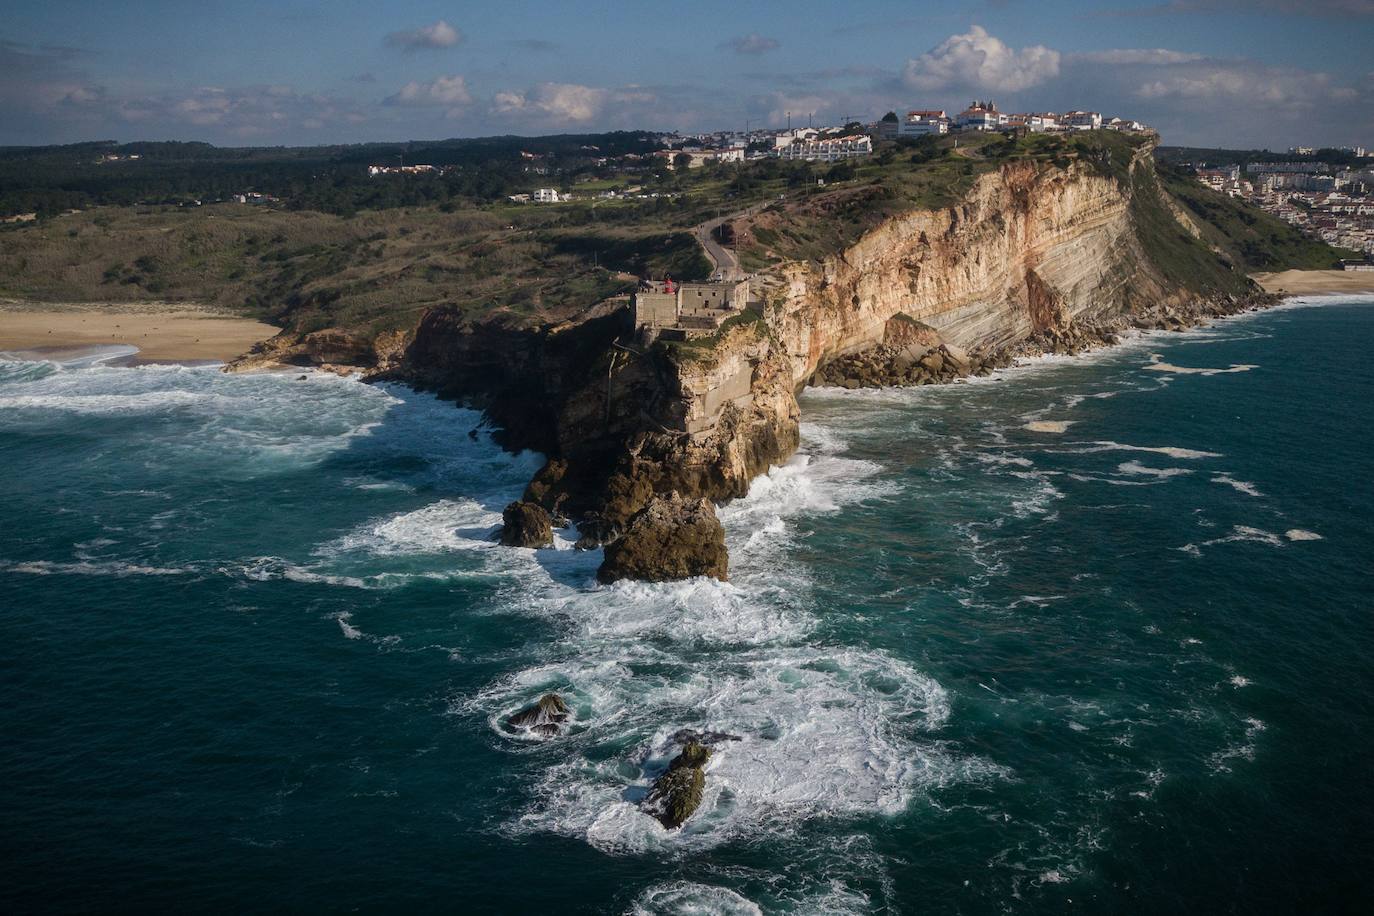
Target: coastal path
(724, 262)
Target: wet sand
(171, 333)
(1306, 282)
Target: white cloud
(979, 61)
(450, 92)
(431, 37)
(753, 43)
(557, 101)
(1211, 81)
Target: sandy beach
(1306, 282)
(174, 332)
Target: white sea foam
(1245, 749)
(269, 569)
(146, 402)
(687, 898)
(1238, 534)
(349, 631)
(1157, 364)
(1301, 534)
(1249, 489)
(1049, 426)
(1137, 469)
(1116, 482)
(819, 736)
(446, 525)
(115, 568)
(1172, 451)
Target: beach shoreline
(161, 332)
(1307, 282)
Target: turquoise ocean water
(1090, 635)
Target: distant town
(1331, 201)
(829, 144)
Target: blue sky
(1208, 72)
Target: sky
(1234, 73)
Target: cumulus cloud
(431, 37)
(1197, 100)
(449, 92)
(979, 61)
(559, 101)
(1210, 81)
(753, 43)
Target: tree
(682, 161)
(840, 171)
(891, 117)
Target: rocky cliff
(1032, 251)
(1036, 255)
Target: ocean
(1090, 634)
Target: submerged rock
(526, 525)
(677, 793)
(670, 538)
(543, 718)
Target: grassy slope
(377, 270)
(1256, 239)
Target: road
(723, 260)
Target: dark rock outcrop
(526, 524)
(676, 794)
(671, 538)
(545, 718)
(914, 363)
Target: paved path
(723, 260)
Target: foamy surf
(1049, 426)
(819, 734)
(1157, 364)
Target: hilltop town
(825, 144)
(1331, 200)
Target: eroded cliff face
(1032, 249)
(1034, 253)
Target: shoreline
(160, 333)
(1309, 282)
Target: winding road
(723, 260)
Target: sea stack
(526, 524)
(544, 718)
(671, 538)
(677, 793)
